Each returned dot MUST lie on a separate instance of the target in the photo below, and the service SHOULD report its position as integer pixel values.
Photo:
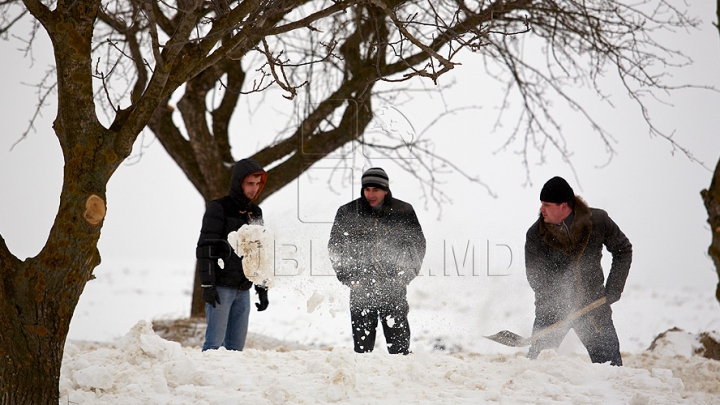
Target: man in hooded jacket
(225, 286)
(563, 252)
(376, 248)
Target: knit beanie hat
(557, 191)
(376, 177)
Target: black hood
(241, 170)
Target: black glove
(262, 296)
(210, 295)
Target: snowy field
(300, 349)
(313, 362)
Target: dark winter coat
(368, 247)
(222, 216)
(565, 270)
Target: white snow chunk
(313, 302)
(95, 376)
(255, 245)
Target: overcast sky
(154, 213)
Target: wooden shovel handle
(573, 316)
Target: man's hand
(263, 297)
(210, 295)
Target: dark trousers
(595, 330)
(387, 303)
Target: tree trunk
(711, 198)
(34, 322)
(197, 307)
(39, 295)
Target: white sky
(154, 213)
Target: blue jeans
(227, 323)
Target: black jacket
(222, 216)
(565, 269)
(376, 247)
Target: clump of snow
(255, 245)
(142, 342)
(142, 364)
(676, 342)
(315, 300)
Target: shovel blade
(508, 338)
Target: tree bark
(711, 198)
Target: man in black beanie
(376, 248)
(563, 249)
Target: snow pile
(676, 342)
(144, 368)
(141, 363)
(688, 355)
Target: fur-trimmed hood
(574, 243)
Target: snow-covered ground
(113, 357)
(451, 361)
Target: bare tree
(335, 64)
(133, 58)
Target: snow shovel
(508, 338)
